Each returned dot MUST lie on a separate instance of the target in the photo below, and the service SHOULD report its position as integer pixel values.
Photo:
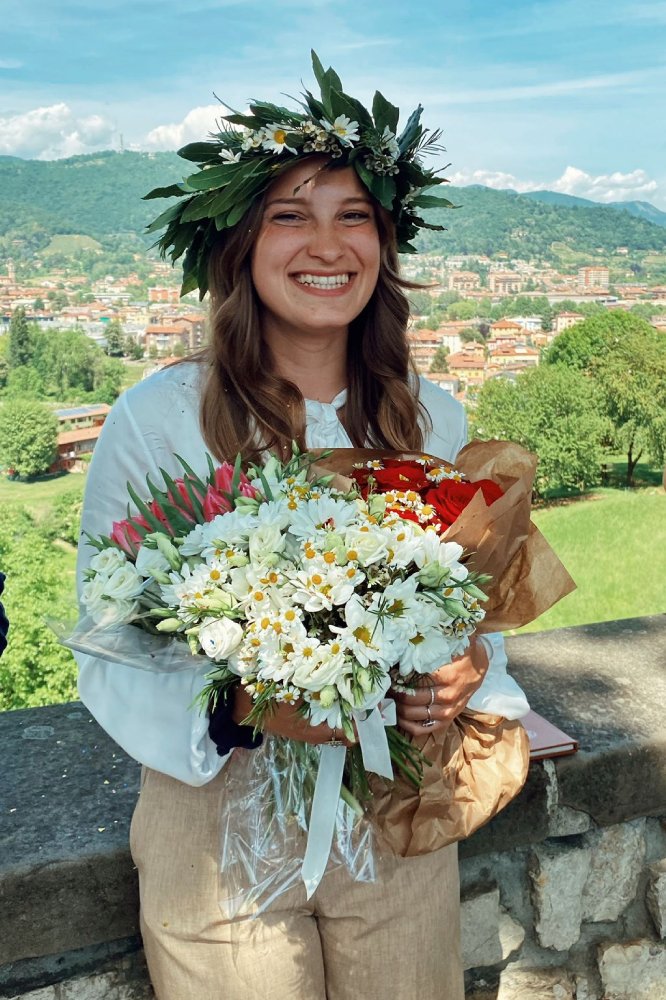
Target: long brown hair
(247, 407)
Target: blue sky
(564, 94)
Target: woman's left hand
(444, 693)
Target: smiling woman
(293, 224)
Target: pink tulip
(215, 503)
(125, 535)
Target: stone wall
(564, 893)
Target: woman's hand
(286, 721)
(444, 694)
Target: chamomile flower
(344, 129)
(275, 139)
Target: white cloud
(635, 185)
(194, 127)
(49, 133)
(606, 187)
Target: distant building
(464, 281)
(161, 293)
(83, 416)
(564, 320)
(593, 277)
(504, 282)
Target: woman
(309, 343)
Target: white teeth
(323, 280)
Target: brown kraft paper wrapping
(480, 763)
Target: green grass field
(39, 496)
(614, 545)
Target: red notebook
(546, 740)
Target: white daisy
(344, 129)
(275, 139)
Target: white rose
(219, 637)
(107, 560)
(123, 584)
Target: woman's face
(316, 259)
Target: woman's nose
(325, 242)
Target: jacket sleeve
(150, 715)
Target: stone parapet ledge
(68, 891)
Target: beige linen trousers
(397, 938)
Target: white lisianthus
(266, 544)
(323, 672)
(151, 561)
(220, 637)
(108, 560)
(116, 613)
(123, 584)
(92, 596)
(368, 542)
(103, 611)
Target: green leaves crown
(250, 150)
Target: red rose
(450, 498)
(396, 475)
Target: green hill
(490, 222)
(99, 196)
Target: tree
(28, 437)
(115, 339)
(439, 361)
(553, 412)
(35, 669)
(20, 340)
(24, 383)
(626, 360)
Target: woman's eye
(356, 216)
(287, 217)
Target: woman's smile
(316, 260)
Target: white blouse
(151, 715)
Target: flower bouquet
(304, 588)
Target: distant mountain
(99, 195)
(639, 209)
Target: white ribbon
(372, 737)
(376, 757)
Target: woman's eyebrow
(356, 199)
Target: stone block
(108, 986)
(655, 895)
(536, 984)
(618, 854)
(511, 934)
(633, 971)
(479, 927)
(566, 822)
(558, 872)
